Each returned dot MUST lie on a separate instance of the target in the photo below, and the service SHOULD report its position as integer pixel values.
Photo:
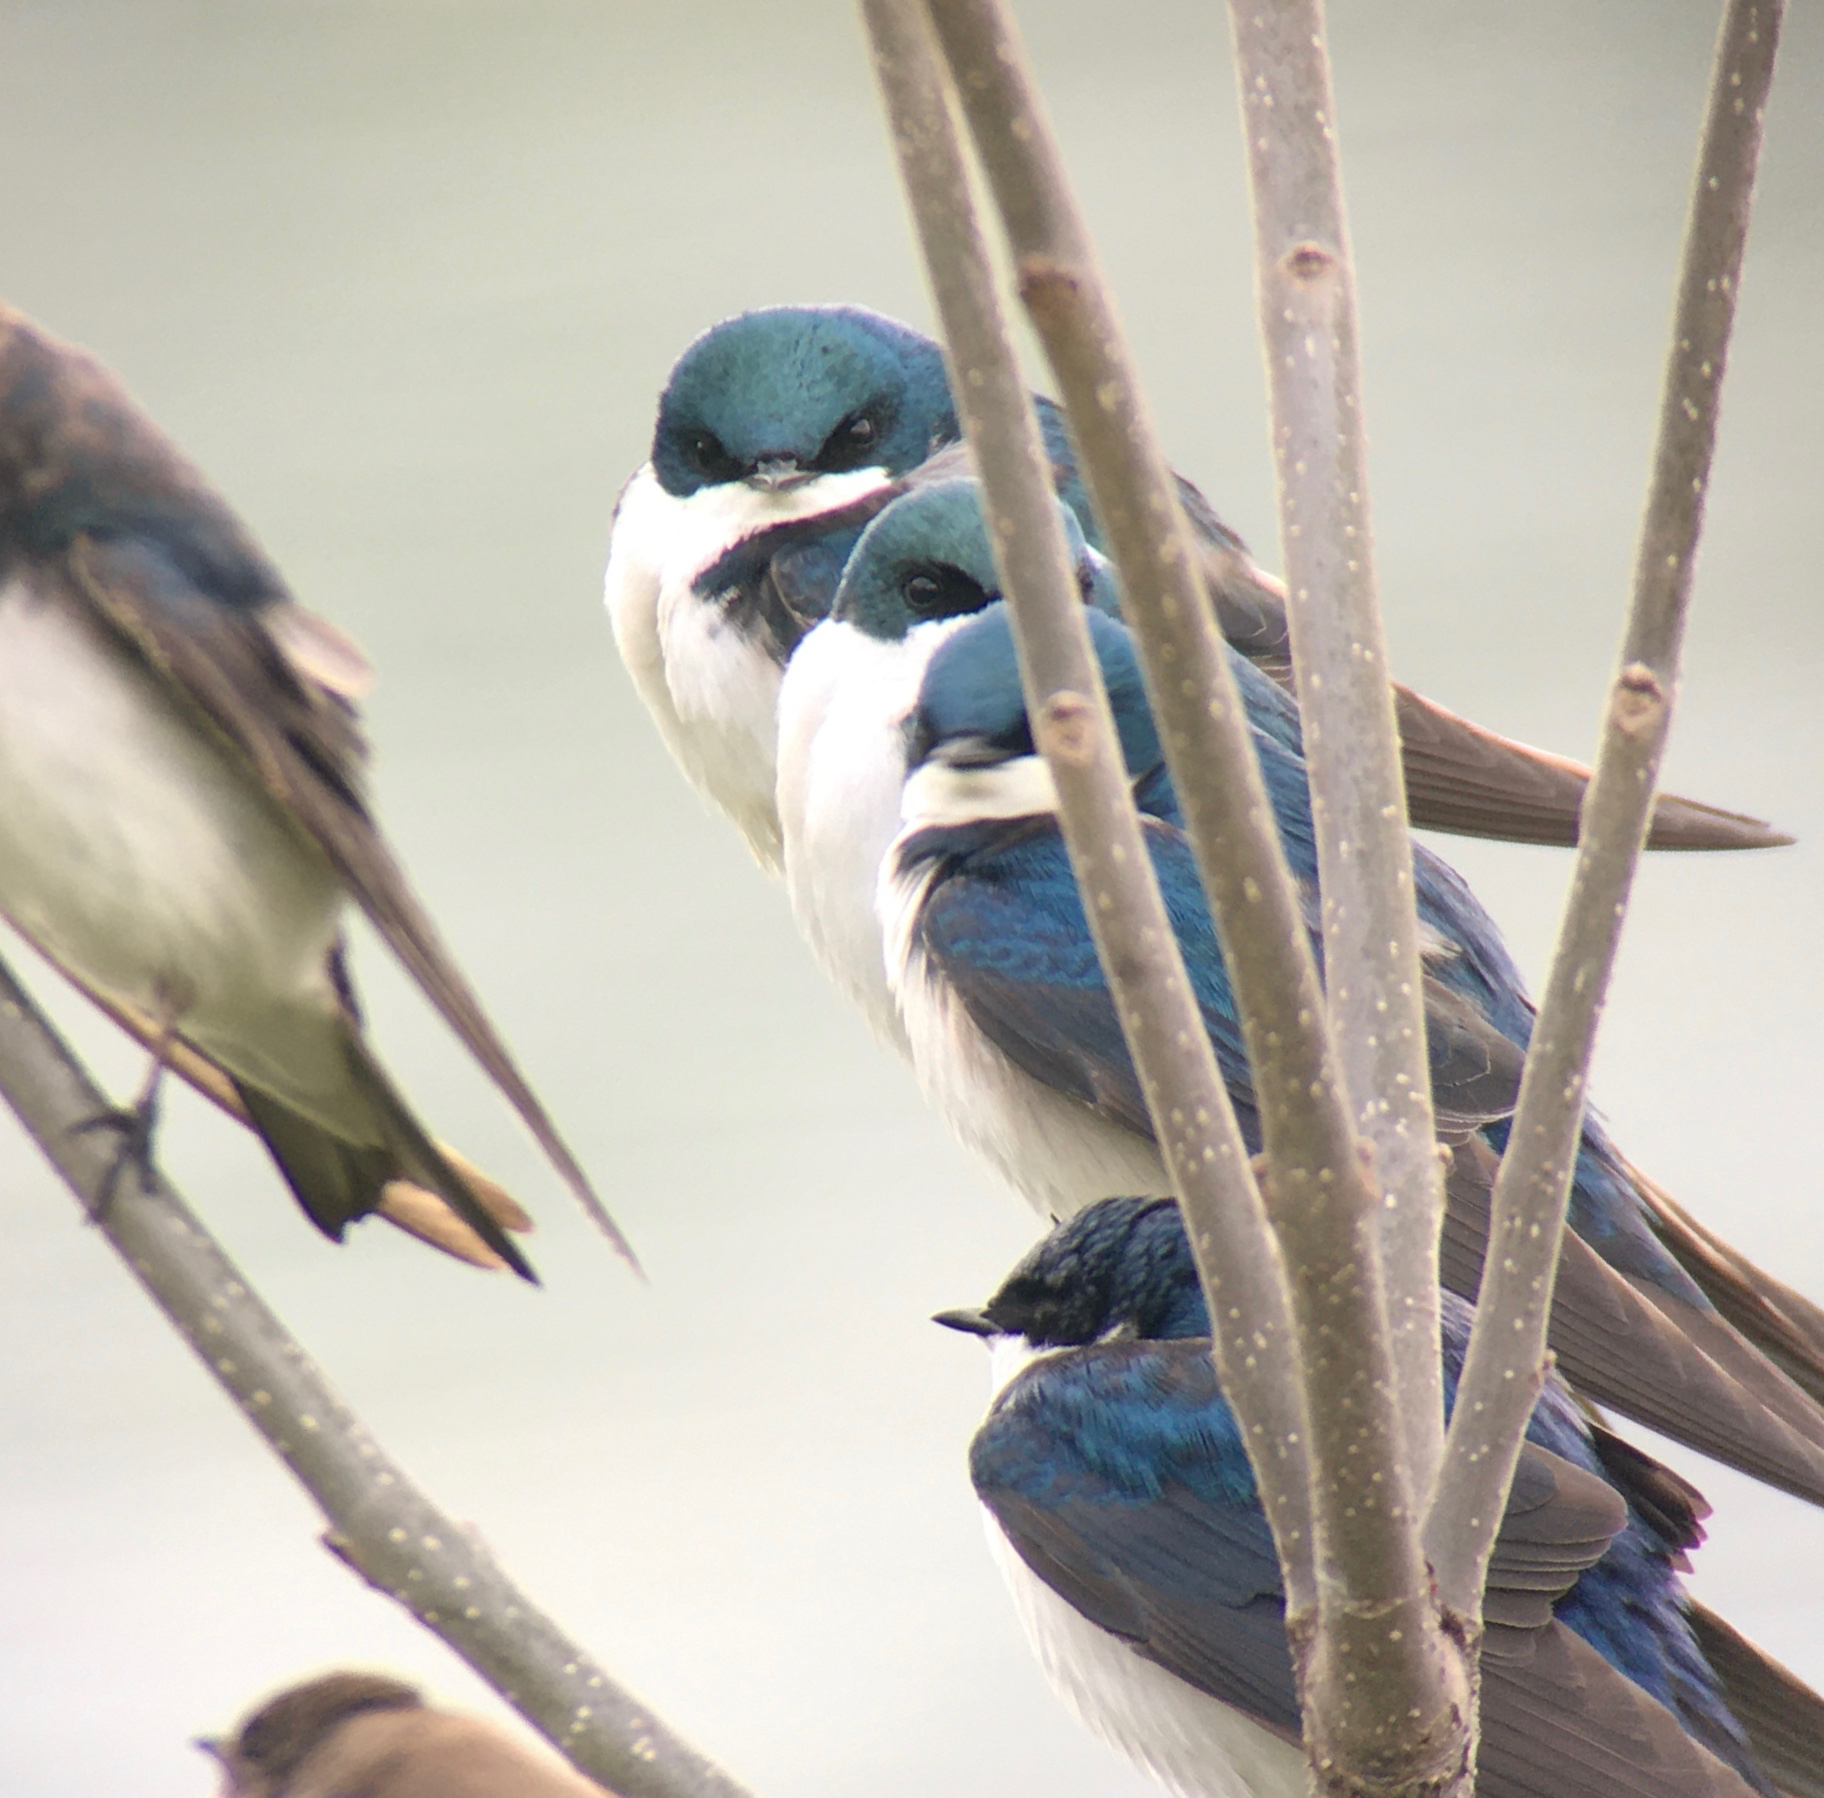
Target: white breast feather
(1184, 1738)
(1191, 1743)
(712, 688)
(842, 763)
(135, 853)
(1054, 1151)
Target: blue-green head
(778, 397)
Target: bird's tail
(1783, 1324)
(337, 1183)
(411, 1152)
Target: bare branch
(1375, 1658)
(1244, 1278)
(1373, 982)
(381, 1524)
(1507, 1349)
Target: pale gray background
(406, 279)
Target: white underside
(1185, 1739)
(842, 766)
(1054, 1151)
(843, 800)
(1191, 1743)
(135, 854)
(712, 689)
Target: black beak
(974, 751)
(970, 1321)
(777, 473)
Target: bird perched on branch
(1122, 1510)
(183, 819)
(781, 432)
(362, 1735)
(925, 862)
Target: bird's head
(775, 399)
(1118, 1268)
(275, 1740)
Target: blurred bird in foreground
(362, 1735)
(182, 812)
(1122, 1510)
(925, 864)
(781, 432)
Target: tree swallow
(348, 1733)
(1121, 1508)
(182, 809)
(964, 938)
(780, 432)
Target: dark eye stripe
(706, 453)
(851, 443)
(937, 590)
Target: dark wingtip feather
(421, 1158)
(1473, 782)
(1781, 1715)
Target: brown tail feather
(337, 1183)
(422, 1161)
(1785, 1325)
(416, 1210)
(380, 888)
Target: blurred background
(406, 276)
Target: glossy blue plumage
(1012, 891)
(1117, 1421)
(783, 383)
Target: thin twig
(1373, 982)
(380, 1523)
(1385, 1693)
(1203, 1147)
(1507, 1348)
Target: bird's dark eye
(936, 590)
(850, 444)
(709, 458)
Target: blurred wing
(335, 1182)
(300, 740)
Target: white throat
(711, 686)
(942, 793)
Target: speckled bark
(1507, 1349)
(1388, 1693)
(1195, 1121)
(1305, 289)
